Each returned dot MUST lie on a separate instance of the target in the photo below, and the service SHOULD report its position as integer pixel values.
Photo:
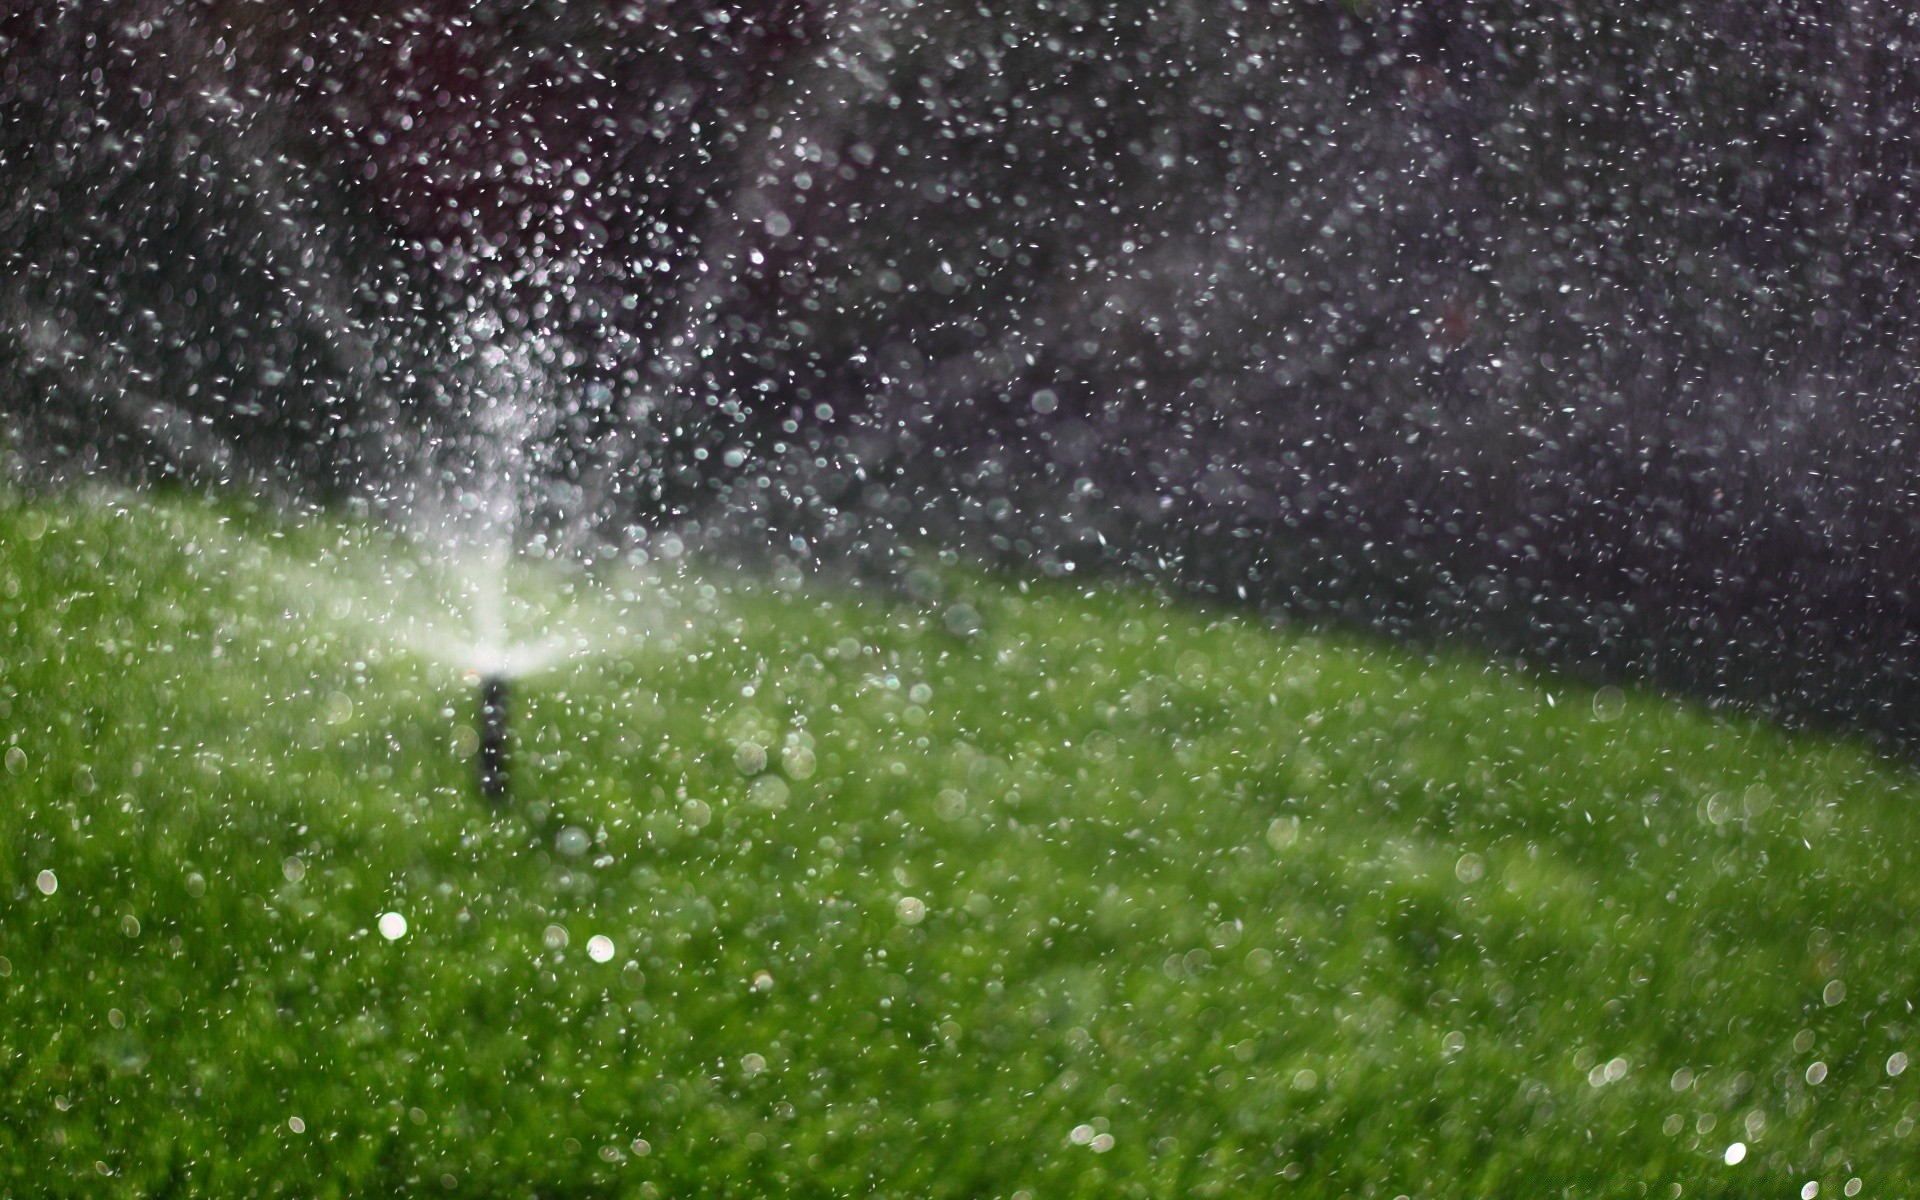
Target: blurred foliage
(993, 889)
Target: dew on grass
(600, 948)
(572, 841)
(1736, 1154)
(47, 883)
(1896, 1062)
(393, 926)
(16, 760)
(911, 910)
(554, 937)
(293, 869)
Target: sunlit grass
(1044, 891)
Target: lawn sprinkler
(492, 759)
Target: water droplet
(554, 937)
(16, 760)
(752, 1064)
(1817, 1073)
(293, 869)
(393, 926)
(798, 762)
(1283, 832)
(962, 620)
(912, 910)
(600, 948)
(1833, 993)
(750, 757)
(296, 1124)
(47, 882)
(1736, 1154)
(1896, 1062)
(1470, 868)
(1081, 1135)
(572, 841)
(770, 792)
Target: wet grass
(1014, 892)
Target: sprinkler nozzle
(492, 760)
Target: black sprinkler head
(492, 760)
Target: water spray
(491, 761)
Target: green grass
(1109, 898)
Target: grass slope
(1105, 898)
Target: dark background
(1582, 330)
